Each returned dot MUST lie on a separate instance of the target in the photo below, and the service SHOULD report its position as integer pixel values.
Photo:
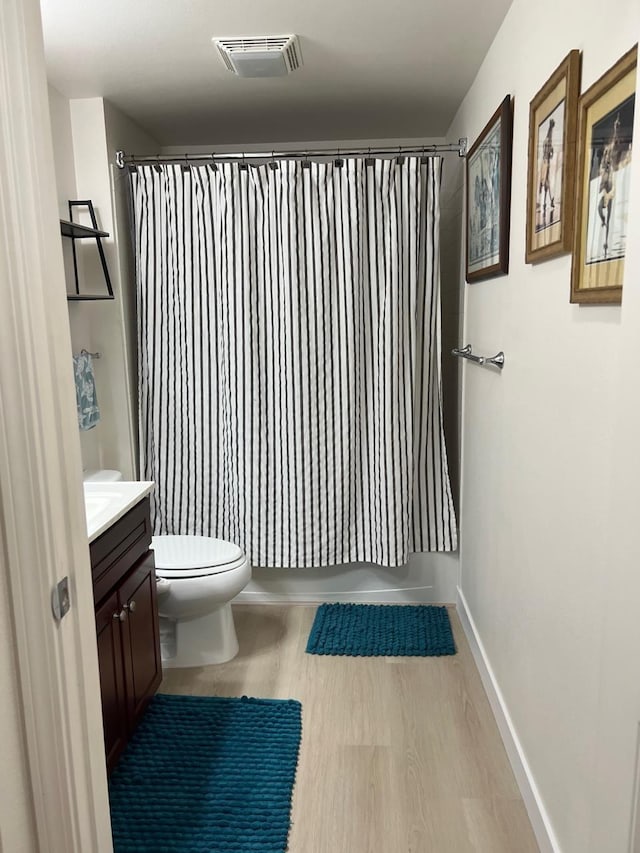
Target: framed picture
(489, 197)
(553, 117)
(605, 136)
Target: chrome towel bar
(497, 360)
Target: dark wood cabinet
(114, 721)
(124, 585)
(141, 644)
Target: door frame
(41, 503)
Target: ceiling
(372, 69)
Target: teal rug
(203, 773)
(389, 630)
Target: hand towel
(86, 400)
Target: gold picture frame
(553, 115)
(605, 134)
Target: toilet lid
(188, 554)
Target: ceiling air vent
(260, 56)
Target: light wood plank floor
(398, 755)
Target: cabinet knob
(120, 616)
(131, 606)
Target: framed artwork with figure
(489, 197)
(605, 145)
(553, 118)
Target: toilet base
(199, 642)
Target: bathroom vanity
(124, 590)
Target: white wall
(106, 330)
(86, 133)
(123, 134)
(60, 115)
(80, 313)
(549, 464)
(317, 145)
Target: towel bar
(497, 360)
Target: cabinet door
(141, 637)
(112, 686)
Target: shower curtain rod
(460, 148)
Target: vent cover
(260, 56)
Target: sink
(107, 502)
(95, 504)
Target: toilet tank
(104, 476)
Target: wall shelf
(74, 231)
(78, 232)
(88, 297)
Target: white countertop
(107, 502)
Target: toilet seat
(184, 557)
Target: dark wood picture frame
(488, 197)
(605, 137)
(552, 163)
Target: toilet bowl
(197, 578)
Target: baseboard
(538, 816)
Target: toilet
(197, 576)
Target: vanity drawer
(116, 551)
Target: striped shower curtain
(289, 364)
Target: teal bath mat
(203, 773)
(388, 630)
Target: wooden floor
(398, 755)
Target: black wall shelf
(78, 232)
(88, 297)
(74, 231)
